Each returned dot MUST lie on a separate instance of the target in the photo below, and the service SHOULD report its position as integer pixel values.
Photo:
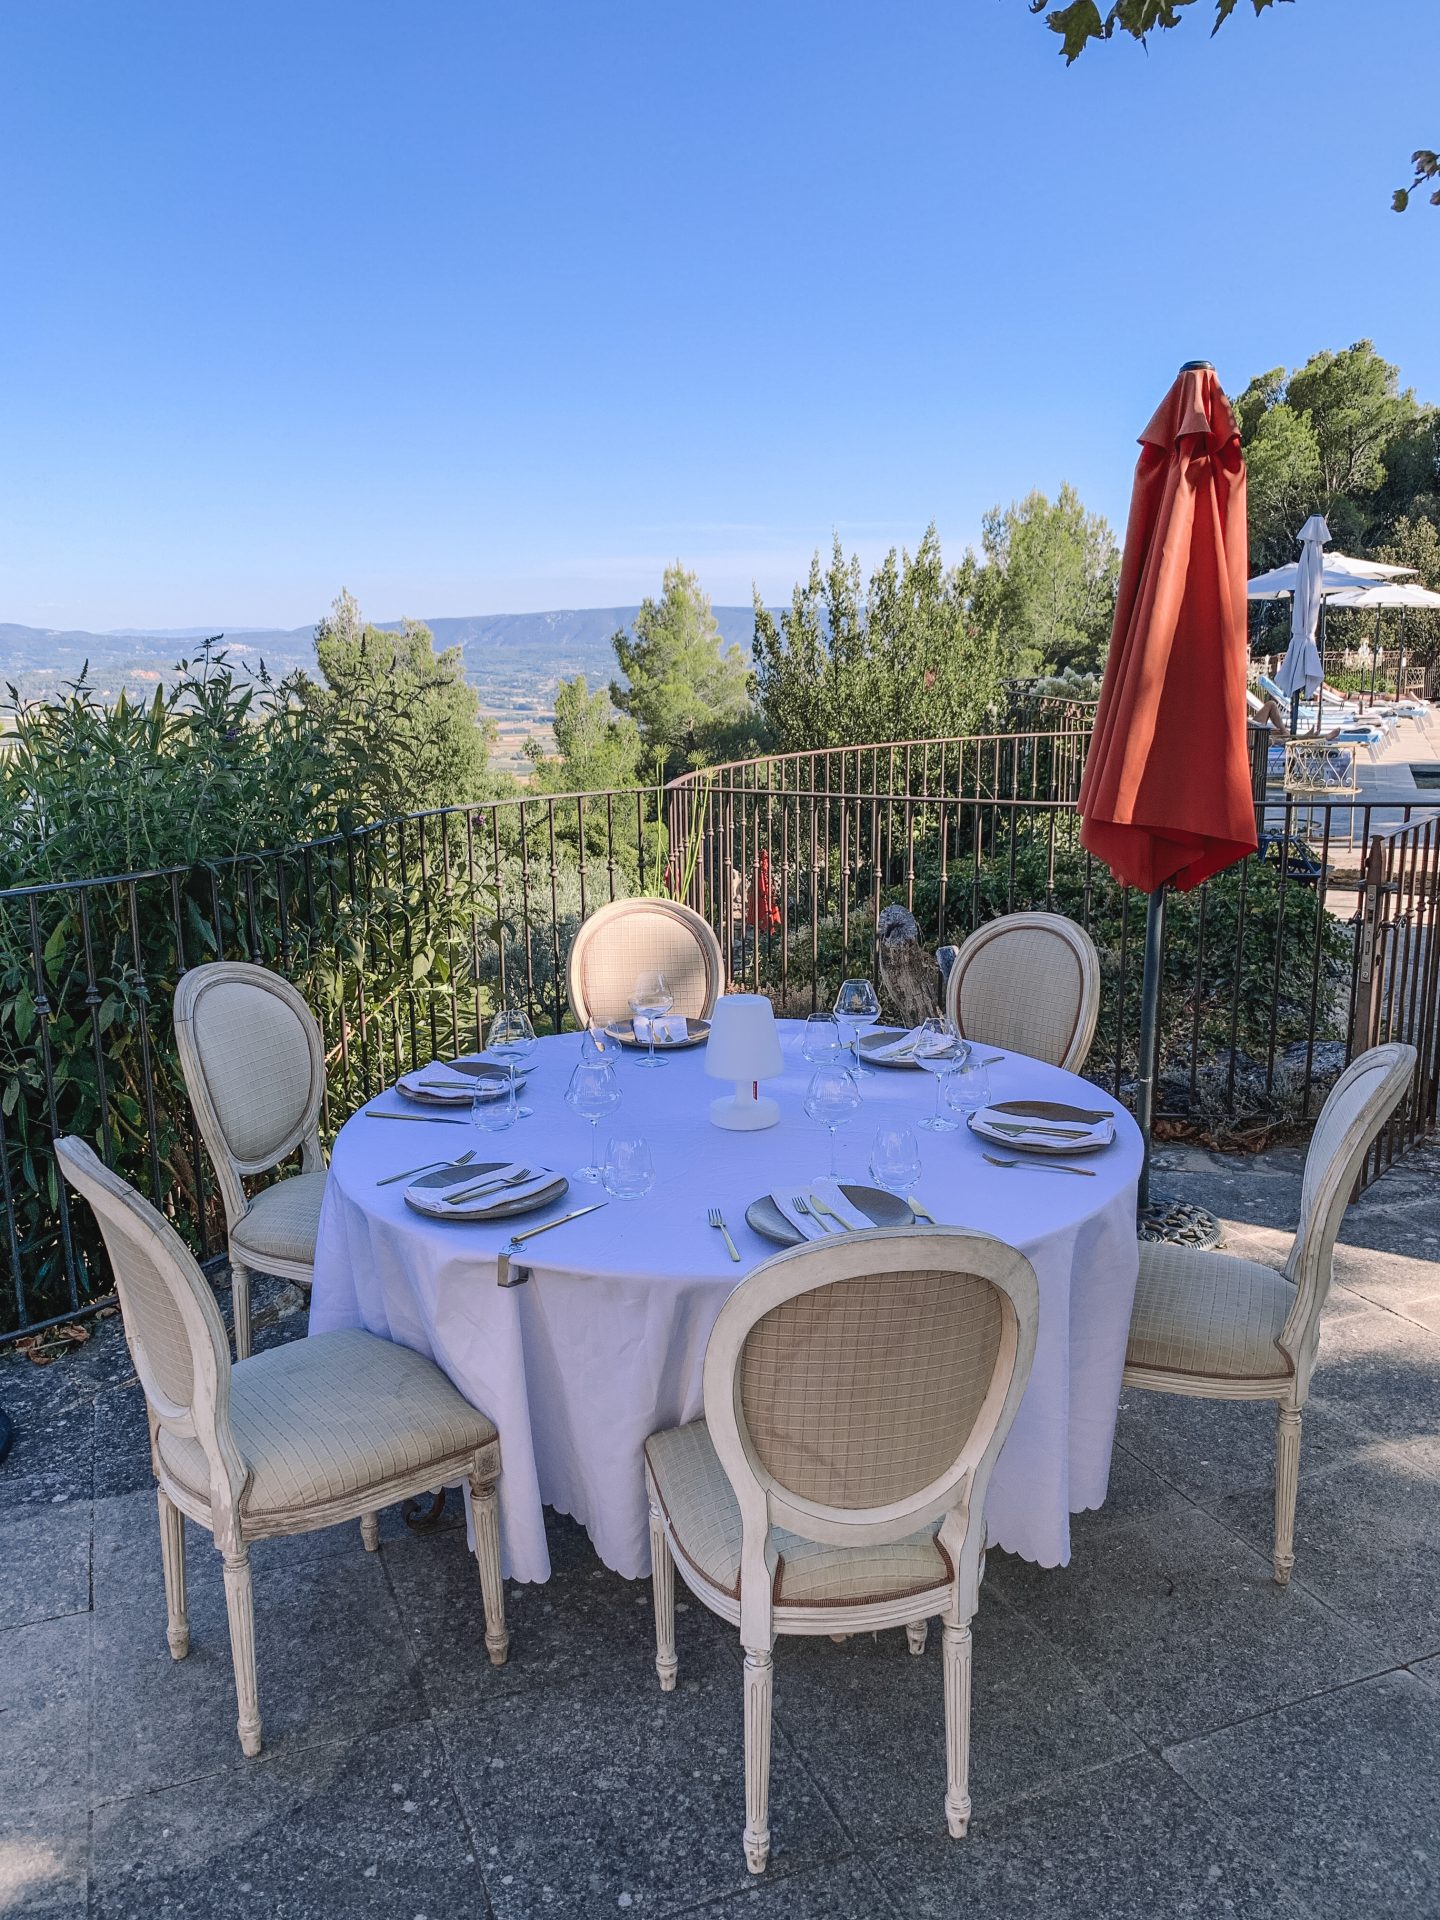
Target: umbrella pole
(1149, 1023)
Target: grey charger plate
(490, 1083)
(883, 1210)
(465, 1176)
(623, 1033)
(885, 1037)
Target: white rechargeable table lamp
(744, 1047)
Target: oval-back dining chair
(1028, 983)
(254, 1067)
(307, 1434)
(629, 937)
(857, 1392)
(1222, 1328)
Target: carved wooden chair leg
(956, 1650)
(1287, 1486)
(172, 1556)
(240, 1308)
(662, 1582)
(370, 1532)
(485, 1504)
(759, 1688)
(917, 1633)
(240, 1605)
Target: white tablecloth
(605, 1344)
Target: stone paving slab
(1157, 1729)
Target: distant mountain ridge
(511, 658)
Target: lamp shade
(743, 1043)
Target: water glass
(895, 1160)
(831, 1099)
(512, 1039)
(967, 1086)
(651, 999)
(820, 1039)
(594, 1091)
(938, 1047)
(857, 1006)
(492, 1112)
(629, 1170)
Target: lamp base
(744, 1115)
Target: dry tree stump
(909, 974)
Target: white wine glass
(651, 999)
(938, 1047)
(831, 1099)
(594, 1091)
(512, 1039)
(857, 1006)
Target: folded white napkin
(1015, 1129)
(436, 1199)
(668, 1027)
(826, 1191)
(894, 1048)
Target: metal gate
(1397, 988)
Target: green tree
(686, 691)
(405, 726)
(1082, 21)
(1048, 584)
(1416, 543)
(598, 748)
(901, 658)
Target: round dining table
(604, 1343)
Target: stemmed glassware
(594, 1091)
(831, 1099)
(820, 1039)
(937, 1048)
(857, 1006)
(651, 999)
(512, 1039)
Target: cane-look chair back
(254, 1065)
(630, 937)
(857, 1393)
(312, 1432)
(1028, 983)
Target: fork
(801, 1207)
(717, 1219)
(428, 1166)
(827, 1214)
(1040, 1166)
(490, 1186)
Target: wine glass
(895, 1159)
(512, 1039)
(595, 1049)
(493, 1112)
(937, 1048)
(831, 1098)
(967, 1086)
(651, 999)
(857, 1006)
(820, 1039)
(594, 1091)
(629, 1170)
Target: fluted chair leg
(240, 1308)
(240, 1606)
(172, 1556)
(485, 1506)
(1287, 1487)
(759, 1688)
(662, 1582)
(956, 1649)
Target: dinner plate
(427, 1194)
(488, 1081)
(870, 1043)
(992, 1125)
(696, 1031)
(882, 1209)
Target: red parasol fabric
(1166, 796)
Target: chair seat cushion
(704, 1524)
(328, 1417)
(281, 1221)
(1208, 1314)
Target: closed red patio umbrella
(1166, 798)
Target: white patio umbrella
(1300, 670)
(1387, 593)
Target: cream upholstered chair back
(856, 1390)
(254, 1065)
(1358, 1105)
(172, 1324)
(1028, 983)
(631, 937)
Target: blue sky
(483, 308)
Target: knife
(505, 1275)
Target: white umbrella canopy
(1341, 573)
(1388, 593)
(1300, 670)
